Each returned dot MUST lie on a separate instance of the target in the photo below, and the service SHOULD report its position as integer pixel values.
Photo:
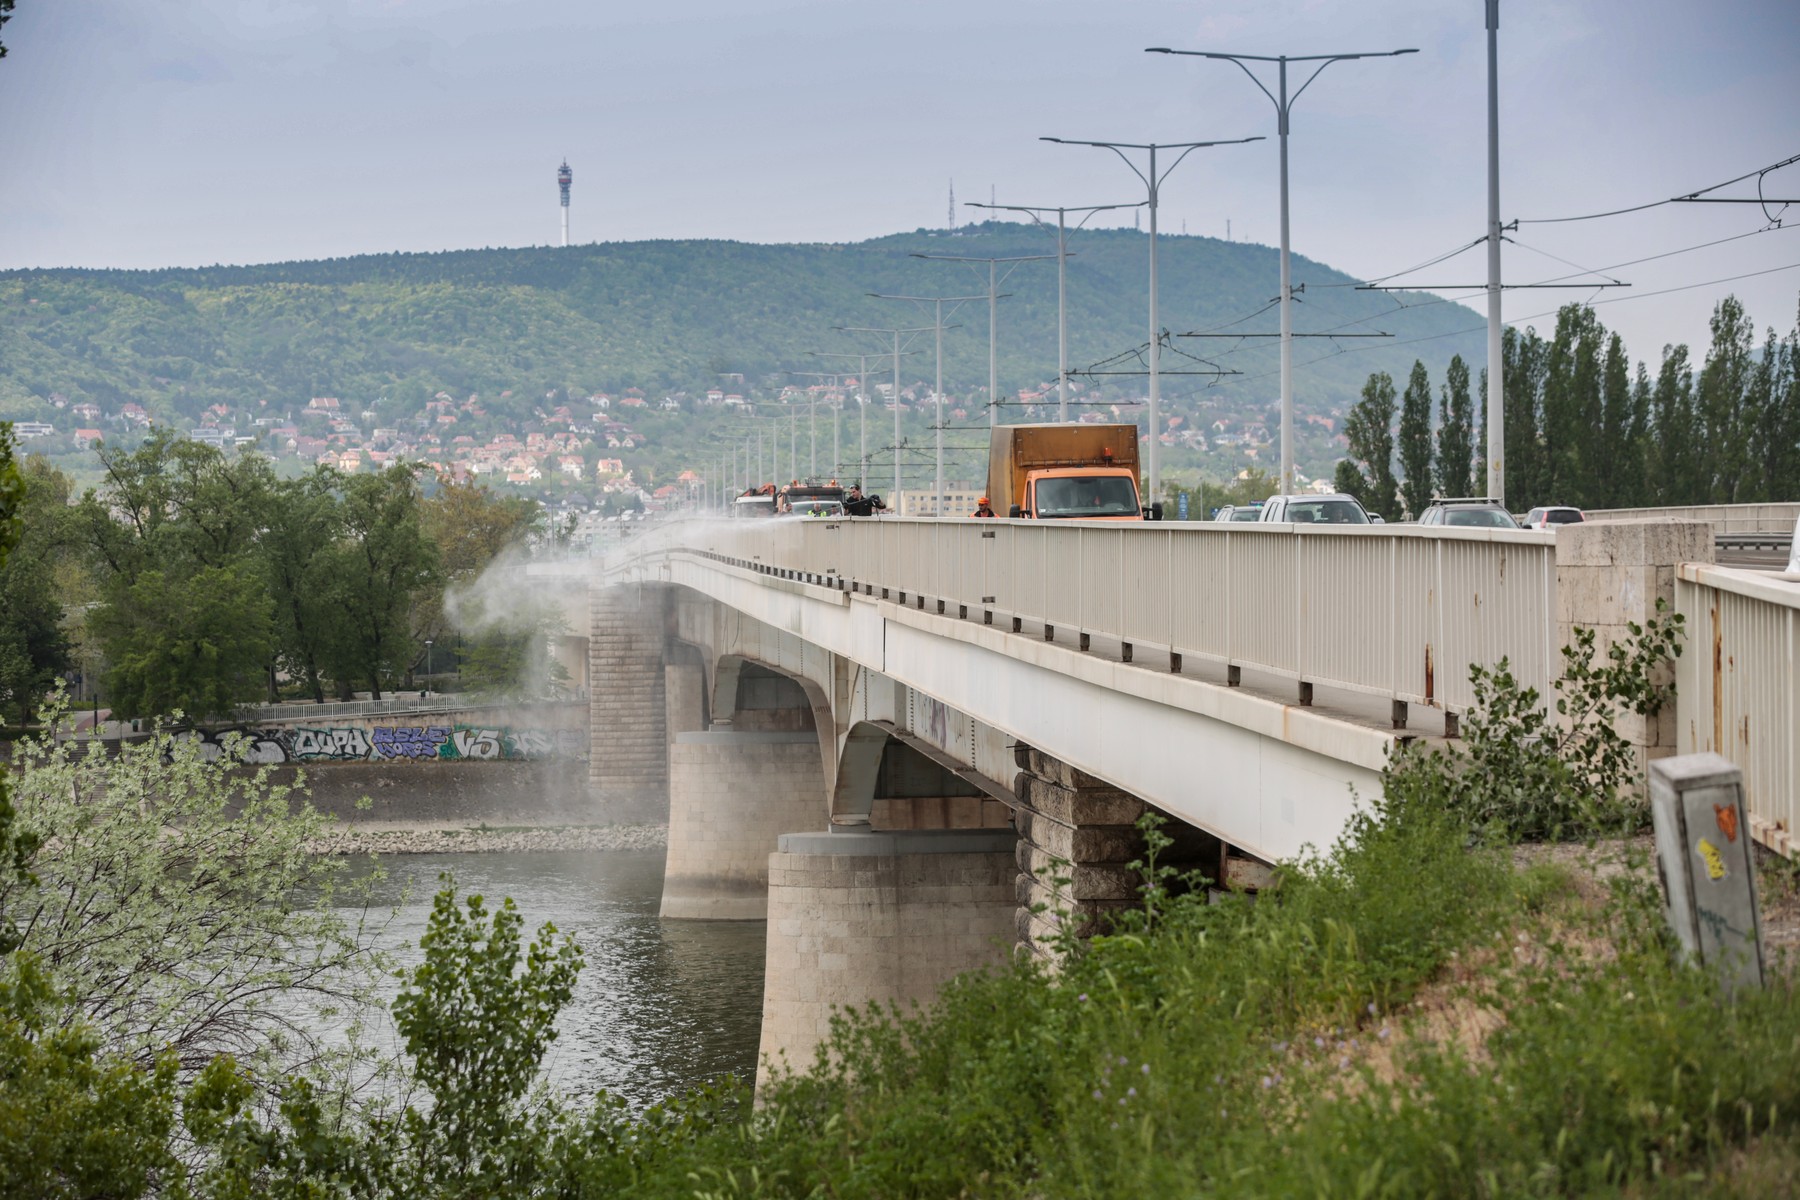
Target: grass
(1408, 1016)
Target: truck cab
(1067, 472)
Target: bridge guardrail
(1725, 518)
(1743, 658)
(1394, 611)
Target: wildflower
(1146, 1068)
(1267, 1083)
(1131, 1092)
(1371, 1008)
(1082, 997)
(1383, 1033)
(1344, 1063)
(1097, 1094)
(1319, 1042)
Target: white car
(1551, 515)
(1310, 508)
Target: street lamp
(427, 664)
(896, 335)
(1062, 303)
(937, 303)
(1283, 106)
(993, 296)
(1153, 183)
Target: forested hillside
(673, 316)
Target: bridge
(883, 735)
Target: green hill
(673, 315)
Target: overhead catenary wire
(1685, 196)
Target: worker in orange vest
(983, 508)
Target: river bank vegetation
(198, 581)
(1406, 1013)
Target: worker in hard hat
(983, 508)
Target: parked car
(1551, 515)
(1468, 513)
(1310, 508)
(1240, 512)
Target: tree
(6, 12)
(1415, 441)
(194, 641)
(34, 645)
(471, 526)
(1616, 458)
(1522, 364)
(1456, 433)
(1775, 410)
(379, 565)
(1370, 432)
(178, 905)
(304, 524)
(1675, 433)
(184, 617)
(1720, 397)
(1571, 408)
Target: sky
(193, 132)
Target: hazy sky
(187, 132)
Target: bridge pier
(731, 796)
(1074, 826)
(628, 771)
(861, 917)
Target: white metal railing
(1394, 611)
(1737, 689)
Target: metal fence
(1393, 611)
(1738, 687)
(307, 711)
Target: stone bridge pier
(889, 842)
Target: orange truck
(1067, 472)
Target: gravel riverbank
(485, 840)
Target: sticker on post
(1728, 820)
(1715, 862)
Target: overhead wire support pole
(896, 335)
(1283, 108)
(1496, 338)
(937, 303)
(993, 298)
(1152, 181)
(1062, 289)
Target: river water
(659, 1005)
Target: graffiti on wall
(392, 743)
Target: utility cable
(1758, 174)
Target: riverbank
(421, 838)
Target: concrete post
(731, 795)
(1707, 864)
(856, 918)
(1611, 573)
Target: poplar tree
(1522, 364)
(1370, 433)
(1571, 409)
(1611, 458)
(1675, 435)
(1720, 399)
(1456, 433)
(1415, 441)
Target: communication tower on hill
(564, 177)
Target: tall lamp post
(1062, 291)
(1152, 181)
(1283, 107)
(937, 303)
(993, 296)
(428, 664)
(896, 336)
